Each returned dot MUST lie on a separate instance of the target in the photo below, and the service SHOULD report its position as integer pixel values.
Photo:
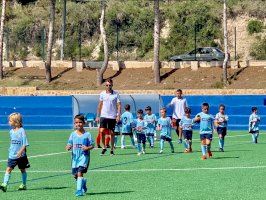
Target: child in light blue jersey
(206, 121)
(254, 121)
(81, 143)
(185, 125)
(117, 132)
(164, 126)
(150, 120)
(17, 151)
(127, 119)
(221, 120)
(139, 128)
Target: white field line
(152, 170)
(42, 155)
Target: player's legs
(123, 143)
(139, 143)
(112, 141)
(208, 146)
(151, 140)
(256, 136)
(103, 137)
(132, 140)
(203, 147)
(80, 182)
(7, 175)
(171, 144)
(98, 139)
(143, 140)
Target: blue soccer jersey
(165, 124)
(150, 123)
(206, 123)
(80, 158)
(186, 123)
(254, 121)
(18, 139)
(127, 119)
(140, 126)
(222, 119)
(117, 127)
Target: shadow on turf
(99, 193)
(44, 188)
(226, 157)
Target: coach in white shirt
(108, 113)
(178, 103)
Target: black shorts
(176, 122)
(254, 132)
(166, 138)
(206, 136)
(117, 133)
(80, 169)
(107, 123)
(187, 134)
(130, 134)
(150, 134)
(222, 131)
(21, 162)
(141, 138)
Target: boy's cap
(148, 108)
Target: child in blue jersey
(117, 132)
(81, 143)
(139, 128)
(127, 119)
(254, 121)
(221, 120)
(206, 121)
(17, 151)
(185, 125)
(164, 126)
(150, 120)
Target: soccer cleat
(139, 154)
(186, 151)
(190, 150)
(209, 154)
(3, 187)
(221, 149)
(22, 187)
(108, 146)
(99, 146)
(103, 152)
(123, 147)
(204, 157)
(79, 193)
(112, 153)
(84, 186)
(173, 151)
(161, 151)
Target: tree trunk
(63, 30)
(225, 63)
(105, 45)
(2, 37)
(50, 42)
(156, 66)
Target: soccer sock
(143, 146)
(188, 144)
(171, 145)
(208, 147)
(152, 140)
(123, 141)
(115, 140)
(79, 183)
(139, 147)
(221, 143)
(98, 139)
(84, 182)
(107, 140)
(6, 178)
(185, 144)
(132, 141)
(161, 144)
(24, 177)
(253, 137)
(203, 149)
(149, 139)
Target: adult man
(178, 103)
(108, 113)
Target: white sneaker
(161, 151)
(139, 154)
(143, 152)
(123, 147)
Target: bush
(254, 26)
(258, 50)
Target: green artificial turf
(238, 173)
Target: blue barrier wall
(39, 112)
(238, 107)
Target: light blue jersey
(186, 123)
(127, 119)
(80, 158)
(223, 119)
(18, 139)
(140, 126)
(165, 124)
(206, 123)
(150, 123)
(254, 121)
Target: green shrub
(254, 26)
(258, 49)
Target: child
(127, 119)
(206, 130)
(139, 128)
(81, 143)
(17, 151)
(254, 121)
(221, 120)
(117, 132)
(150, 120)
(185, 125)
(107, 138)
(164, 125)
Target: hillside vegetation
(131, 22)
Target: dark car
(202, 54)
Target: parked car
(202, 54)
